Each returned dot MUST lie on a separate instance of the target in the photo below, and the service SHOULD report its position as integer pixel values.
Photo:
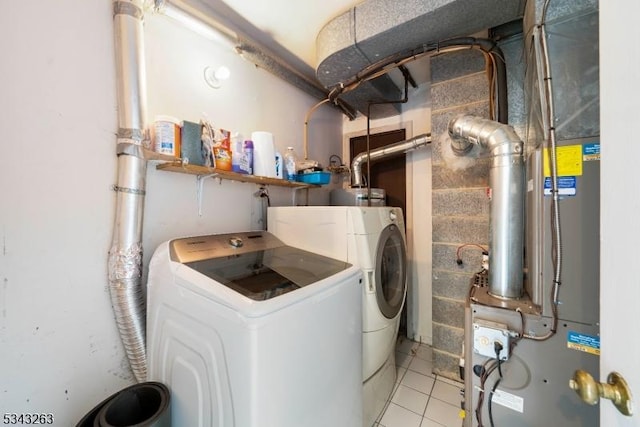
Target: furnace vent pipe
(125, 254)
(506, 181)
(387, 151)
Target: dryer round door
(391, 276)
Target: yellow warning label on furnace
(568, 160)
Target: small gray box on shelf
(191, 149)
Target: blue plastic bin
(319, 178)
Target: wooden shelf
(152, 155)
(179, 167)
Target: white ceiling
(296, 24)
(293, 24)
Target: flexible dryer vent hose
(125, 253)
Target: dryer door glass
(391, 260)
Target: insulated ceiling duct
(377, 29)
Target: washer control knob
(392, 215)
(236, 242)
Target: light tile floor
(420, 398)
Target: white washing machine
(372, 238)
(249, 332)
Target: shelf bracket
(295, 192)
(199, 186)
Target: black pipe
(486, 45)
(405, 73)
(145, 404)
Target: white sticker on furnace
(508, 400)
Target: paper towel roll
(264, 154)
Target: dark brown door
(389, 174)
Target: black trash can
(140, 405)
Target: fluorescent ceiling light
(196, 22)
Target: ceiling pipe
(373, 31)
(391, 150)
(125, 253)
(506, 181)
(383, 66)
(404, 100)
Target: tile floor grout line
(429, 399)
(395, 388)
(415, 355)
(411, 356)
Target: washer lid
(256, 265)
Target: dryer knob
(392, 215)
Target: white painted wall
(416, 119)
(59, 348)
(60, 352)
(252, 99)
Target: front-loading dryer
(372, 238)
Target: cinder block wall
(459, 85)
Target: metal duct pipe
(506, 180)
(125, 254)
(390, 150)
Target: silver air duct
(390, 150)
(125, 254)
(506, 180)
